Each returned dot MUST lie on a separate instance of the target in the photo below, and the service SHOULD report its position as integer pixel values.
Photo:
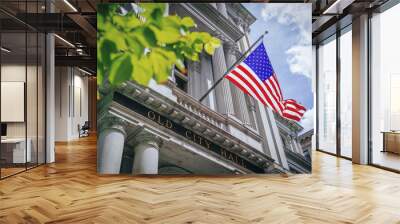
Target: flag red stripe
(238, 75)
(249, 74)
(290, 116)
(238, 84)
(277, 82)
(270, 88)
(242, 86)
(298, 106)
(294, 110)
(249, 81)
(276, 88)
(294, 107)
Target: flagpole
(230, 68)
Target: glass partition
(385, 89)
(22, 77)
(327, 95)
(41, 96)
(346, 93)
(32, 97)
(13, 94)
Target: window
(181, 82)
(181, 77)
(385, 89)
(327, 96)
(346, 93)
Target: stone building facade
(164, 129)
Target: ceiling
(75, 22)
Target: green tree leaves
(121, 69)
(143, 67)
(145, 44)
(188, 22)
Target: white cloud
(288, 14)
(300, 60)
(298, 16)
(308, 120)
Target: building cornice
(214, 130)
(298, 161)
(307, 134)
(216, 118)
(284, 123)
(241, 12)
(213, 20)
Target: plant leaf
(161, 66)
(107, 47)
(121, 69)
(142, 70)
(188, 22)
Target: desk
(391, 141)
(13, 150)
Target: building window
(181, 77)
(181, 82)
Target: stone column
(244, 45)
(240, 106)
(195, 80)
(252, 111)
(50, 92)
(223, 93)
(110, 144)
(299, 147)
(146, 148)
(243, 42)
(289, 143)
(207, 77)
(360, 90)
(293, 144)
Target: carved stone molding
(147, 138)
(231, 48)
(213, 123)
(195, 67)
(112, 122)
(239, 22)
(220, 36)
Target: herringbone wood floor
(70, 191)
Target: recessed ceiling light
(5, 50)
(70, 5)
(84, 71)
(65, 41)
(335, 7)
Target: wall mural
(204, 88)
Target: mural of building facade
(164, 129)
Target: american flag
(256, 77)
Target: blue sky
(288, 44)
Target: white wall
(71, 102)
(16, 73)
(33, 126)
